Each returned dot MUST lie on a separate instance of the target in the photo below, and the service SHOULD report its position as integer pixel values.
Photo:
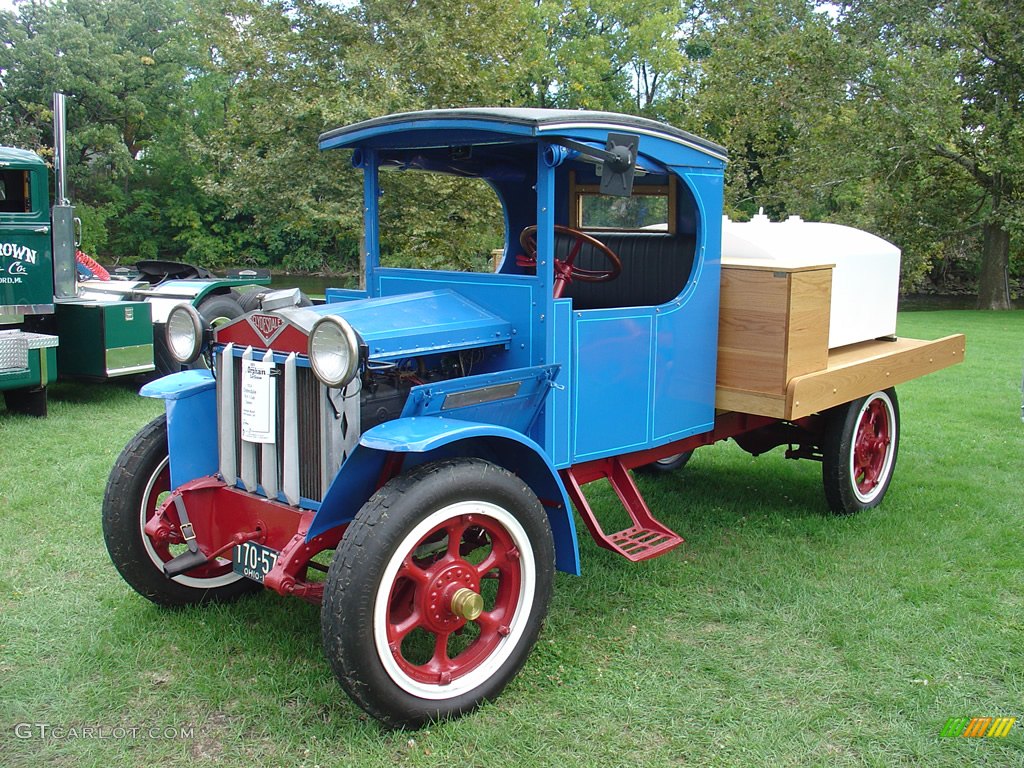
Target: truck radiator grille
(316, 429)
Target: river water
(313, 285)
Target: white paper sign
(259, 402)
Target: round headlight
(333, 351)
(184, 333)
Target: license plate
(254, 561)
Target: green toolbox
(104, 339)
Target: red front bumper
(223, 516)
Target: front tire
(140, 478)
(394, 631)
(859, 450)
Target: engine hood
(393, 327)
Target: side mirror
(618, 170)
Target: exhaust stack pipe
(62, 215)
(59, 151)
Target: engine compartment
(385, 387)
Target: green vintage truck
(56, 316)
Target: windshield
(439, 221)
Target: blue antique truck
(431, 434)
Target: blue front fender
(191, 402)
(423, 439)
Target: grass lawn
(776, 635)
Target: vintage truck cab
(436, 429)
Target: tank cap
(760, 217)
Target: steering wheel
(566, 271)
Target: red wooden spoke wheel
(437, 591)
(442, 619)
(859, 450)
(871, 447)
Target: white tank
(865, 280)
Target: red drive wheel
(138, 483)
(860, 449)
(451, 566)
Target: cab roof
(20, 157)
(448, 127)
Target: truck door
(26, 265)
(644, 344)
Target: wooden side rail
(851, 372)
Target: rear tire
(859, 450)
(141, 475)
(667, 465)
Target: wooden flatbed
(851, 372)
(773, 350)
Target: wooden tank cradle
(773, 355)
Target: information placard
(259, 402)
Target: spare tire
(250, 300)
(220, 308)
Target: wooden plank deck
(851, 372)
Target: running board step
(647, 538)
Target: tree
(621, 55)
(272, 77)
(122, 64)
(773, 91)
(945, 85)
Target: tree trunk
(994, 279)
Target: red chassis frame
(223, 516)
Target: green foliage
(441, 53)
(193, 124)
(439, 222)
(774, 93)
(943, 88)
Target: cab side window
(646, 230)
(14, 192)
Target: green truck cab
(51, 323)
(26, 255)
(28, 361)
(45, 328)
